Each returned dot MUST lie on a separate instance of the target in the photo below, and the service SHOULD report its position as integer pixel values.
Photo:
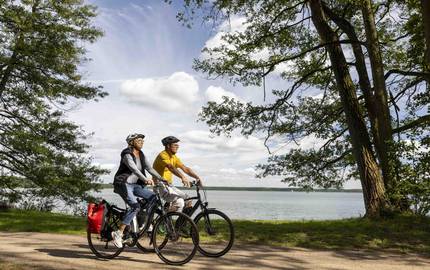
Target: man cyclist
(167, 164)
(130, 181)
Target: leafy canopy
(41, 48)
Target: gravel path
(54, 251)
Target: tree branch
(425, 75)
(415, 123)
(335, 160)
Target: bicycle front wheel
(175, 238)
(216, 233)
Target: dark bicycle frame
(156, 208)
(199, 203)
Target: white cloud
(234, 24)
(174, 93)
(238, 24)
(204, 140)
(214, 93)
(108, 166)
(248, 171)
(228, 170)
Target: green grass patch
(35, 221)
(10, 266)
(404, 233)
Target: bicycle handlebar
(196, 184)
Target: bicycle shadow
(84, 252)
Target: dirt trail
(54, 251)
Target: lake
(276, 205)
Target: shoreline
(224, 188)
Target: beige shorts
(173, 195)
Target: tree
(353, 116)
(425, 10)
(41, 48)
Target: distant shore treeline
(262, 189)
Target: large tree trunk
(370, 176)
(360, 65)
(383, 124)
(425, 11)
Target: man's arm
(178, 174)
(190, 172)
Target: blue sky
(144, 62)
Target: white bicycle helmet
(133, 136)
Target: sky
(144, 61)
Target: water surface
(277, 205)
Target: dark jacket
(124, 171)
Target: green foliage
(414, 172)
(279, 40)
(41, 48)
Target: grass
(10, 266)
(36, 221)
(401, 233)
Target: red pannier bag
(96, 214)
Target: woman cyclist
(130, 181)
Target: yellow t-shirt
(160, 165)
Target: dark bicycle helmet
(133, 136)
(169, 140)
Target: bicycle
(213, 225)
(174, 242)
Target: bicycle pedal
(128, 240)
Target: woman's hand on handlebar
(149, 182)
(160, 182)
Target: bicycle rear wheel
(175, 238)
(101, 244)
(216, 233)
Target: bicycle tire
(201, 222)
(185, 221)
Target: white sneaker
(117, 238)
